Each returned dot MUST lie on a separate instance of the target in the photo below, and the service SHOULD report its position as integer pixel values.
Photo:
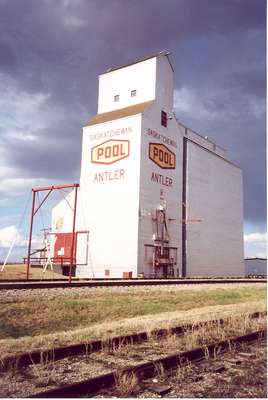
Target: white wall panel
(140, 77)
(153, 193)
(164, 84)
(111, 203)
(62, 214)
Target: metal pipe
(73, 236)
(30, 236)
(40, 189)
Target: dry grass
(184, 370)
(44, 372)
(193, 338)
(234, 326)
(105, 330)
(159, 370)
(18, 271)
(125, 383)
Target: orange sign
(110, 151)
(162, 156)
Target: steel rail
(123, 282)
(58, 353)
(148, 369)
(14, 281)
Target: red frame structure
(34, 211)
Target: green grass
(43, 316)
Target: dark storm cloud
(57, 49)
(53, 153)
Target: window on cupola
(163, 118)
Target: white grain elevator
(156, 199)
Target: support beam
(73, 236)
(41, 189)
(33, 213)
(30, 236)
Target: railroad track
(140, 355)
(90, 387)
(58, 353)
(46, 284)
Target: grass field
(64, 315)
(42, 316)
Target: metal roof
(120, 113)
(161, 53)
(198, 134)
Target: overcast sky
(52, 51)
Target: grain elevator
(156, 199)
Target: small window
(163, 118)
(133, 93)
(116, 97)
(107, 272)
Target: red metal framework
(74, 186)
(161, 260)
